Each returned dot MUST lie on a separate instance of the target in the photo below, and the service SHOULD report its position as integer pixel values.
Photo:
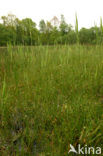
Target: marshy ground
(50, 97)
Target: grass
(50, 97)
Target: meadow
(50, 97)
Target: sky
(88, 11)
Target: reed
(50, 97)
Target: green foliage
(87, 36)
(64, 28)
(25, 32)
(101, 31)
(42, 26)
(50, 97)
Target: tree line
(26, 32)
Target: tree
(54, 35)
(4, 35)
(28, 26)
(42, 26)
(9, 20)
(63, 26)
(72, 37)
(87, 36)
(55, 22)
(49, 27)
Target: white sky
(88, 11)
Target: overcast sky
(88, 11)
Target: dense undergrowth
(50, 97)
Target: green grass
(50, 97)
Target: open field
(50, 97)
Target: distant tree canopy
(25, 32)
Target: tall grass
(50, 97)
(76, 28)
(101, 29)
